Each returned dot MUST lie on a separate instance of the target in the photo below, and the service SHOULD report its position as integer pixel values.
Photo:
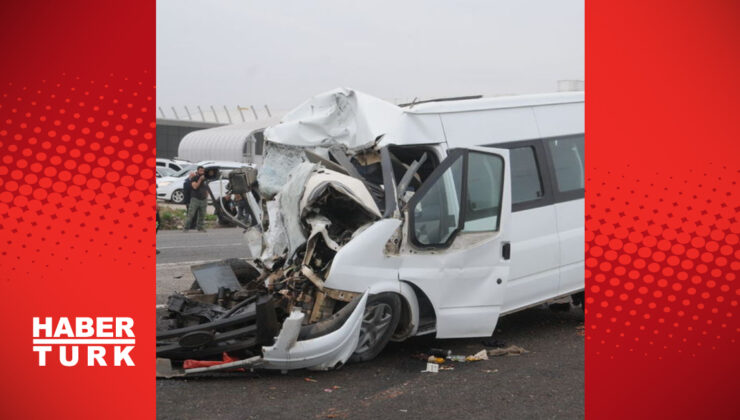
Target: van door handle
(506, 250)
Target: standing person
(187, 192)
(241, 207)
(198, 200)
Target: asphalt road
(546, 383)
(176, 246)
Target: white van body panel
(362, 264)
(535, 258)
(571, 215)
(477, 128)
(560, 120)
(466, 283)
(460, 281)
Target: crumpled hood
(339, 116)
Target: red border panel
(77, 199)
(662, 210)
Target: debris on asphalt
(507, 351)
(334, 413)
(439, 352)
(490, 370)
(581, 330)
(432, 368)
(446, 368)
(420, 356)
(328, 390)
(481, 355)
(191, 364)
(437, 360)
(310, 380)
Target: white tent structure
(235, 142)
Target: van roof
(495, 103)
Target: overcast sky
(255, 52)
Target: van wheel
(382, 313)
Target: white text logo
(102, 341)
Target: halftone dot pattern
(662, 261)
(77, 199)
(76, 174)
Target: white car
(170, 188)
(174, 164)
(384, 223)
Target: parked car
(384, 223)
(170, 188)
(164, 171)
(174, 164)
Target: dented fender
(324, 352)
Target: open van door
(456, 248)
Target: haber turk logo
(101, 341)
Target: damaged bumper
(325, 345)
(321, 346)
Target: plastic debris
(507, 351)
(446, 368)
(481, 355)
(192, 364)
(310, 380)
(490, 370)
(432, 368)
(456, 358)
(437, 360)
(328, 390)
(581, 330)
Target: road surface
(546, 383)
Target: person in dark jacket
(198, 201)
(187, 192)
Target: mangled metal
(277, 313)
(324, 186)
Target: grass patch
(170, 218)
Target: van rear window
(568, 161)
(526, 182)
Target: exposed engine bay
(273, 310)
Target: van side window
(568, 161)
(483, 199)
(526, 182)
(437, 214)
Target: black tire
(382, 313)
(579, 299)
(178, 197)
